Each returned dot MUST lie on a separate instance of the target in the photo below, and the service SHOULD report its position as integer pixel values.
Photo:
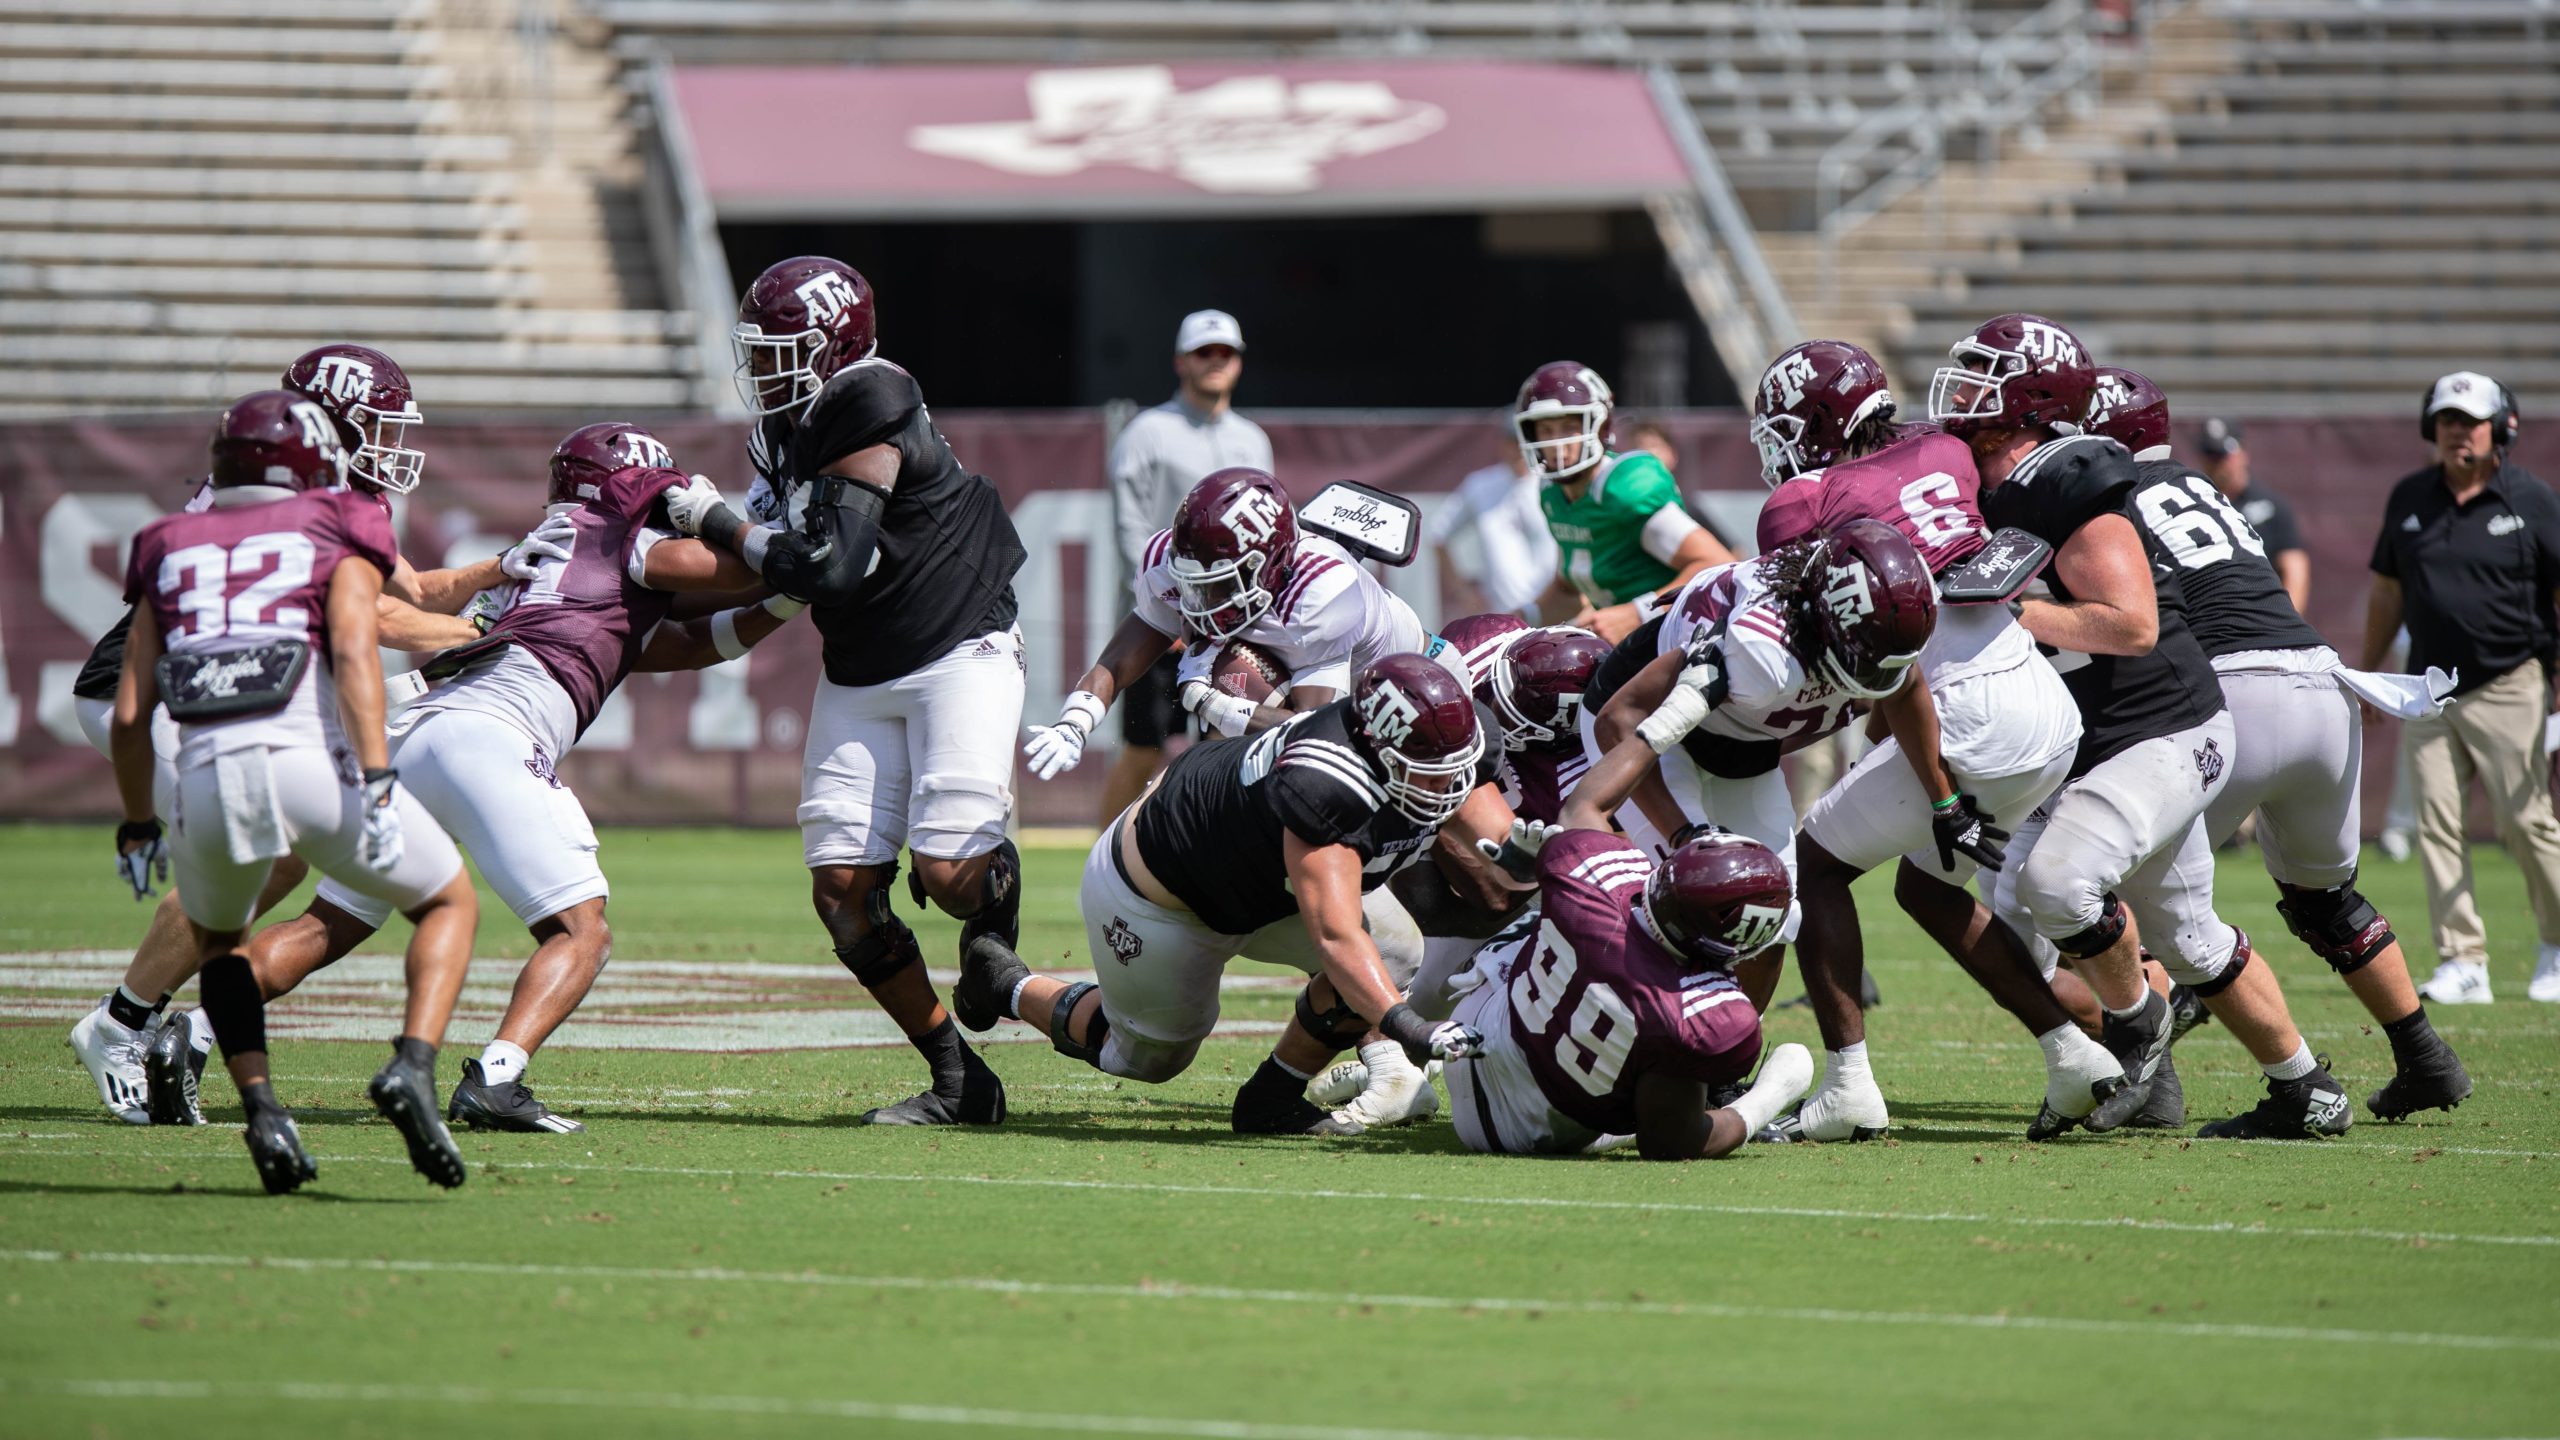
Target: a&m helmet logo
(1849, 595)
(2049, 344)
(1783, 388)
(2111, 395)
(646, 450)
(1254, 514)
(343, 378)
(1389, 714)
(1756, 928)
(318, 430)
(827, 294)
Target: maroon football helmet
(1718, 899)
(1810, 401)
(1418, 724)
(2013, 371)
(1474, 640)
(1563, 389)
(802, 320)
(279, 437)
(371, 393)
(1537, 684)
(596, 453)
(1873, 605)
(1235, 540)
(2129, 410)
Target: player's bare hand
(141, 849)
(550, 540)
(1612, 623)
(1054, 749)
(382, 842)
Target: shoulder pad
(1370, 523)
(1998, 572)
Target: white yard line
(874, 1410)
(1228, 1294)
(1533, 1202)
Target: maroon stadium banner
(1013, 140)
(723, 746)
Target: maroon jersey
(1535, 782)
(1596, 1003)
(1923, 485)
(584, 618)
(247, 573)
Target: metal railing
(684, 235)
(1716, 252)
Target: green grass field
(723, 1249)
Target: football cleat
(2305, 1109)
(406, 1096)
(113, 1057)
(2186, 1012)
(1396, 1091)
(275, 1146)
(172, 1071)
(2433, 1081)
(484, 1106)
(1340, 1081)
(1835, 1112)
(989, 969)
(980, 1101)
(2545, 985)
(2166, 1109)
(2458, 982)
(2139, 1045)
(1292, 1116)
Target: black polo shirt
(2268, 513)
(2475, 578)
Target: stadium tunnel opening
(1342, 312)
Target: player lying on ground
(281, 749)
(1611, 1008)
(482, 748)
(374, 405)
(1263, 846)
(2005, 731)
(2298, 733)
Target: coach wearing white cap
(2469, 559)
(1161, 453)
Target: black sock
(259, 1095)
(1272, 1084)
(945, 1053)
(416, 1052)
(129, 1012)
(2411, 1035)
(229, 991)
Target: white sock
(1290, 1069)
(502, 1063)
(1782, 1081)
(2129, 1011)
(1846, 1066)
(2293, 1066)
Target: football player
(1233, 569)
(1628, 542)
(907, 563)
(374, 404)
(1755, 659)
(481, 750)
(255, 624)
(1824, 422)
(2119, 856)
(1263, 845)
(1611, 1010)
(2298, 763)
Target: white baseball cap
(1207, 327)
(2468, 391)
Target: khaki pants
(2495, 733)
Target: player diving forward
(2006, 730)
(2299, 760)
(482, 748)
(371, 398)
(907, 562)
(1611, 1008)
(256, 626)
(1263, 845)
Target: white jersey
(514, 688)
(1768, 694)
(1329, 622)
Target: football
(1248, 672)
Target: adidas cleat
(2139, 1045)
(275, 1146)
(2166, 1109)
(172, 1071)
(1340, 1081)
(1849, 1112)
(112, 1055)
(989, 969)
(406, 1096)
(484, 1106)
(2305, 1109)
(980, 1101)
(2436, 1081)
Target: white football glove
(1679, 713)
(382, 843)
(550, 540)
(1224, 713)
(1053, 749)
(141, 848)
(687, 507)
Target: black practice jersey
(1211, 829)
(2123, 699)
(943, 570)
(2234, 600)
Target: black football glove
(1961, 828)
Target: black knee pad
(2098, 938)
(2339, 924)
(2230, 971)
(1062, 1038)
(1340, 1027)
(228, 990)
(891, 947)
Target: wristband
(1083, 710)
(783, 607)
(1943, 806)
(1404, 1025)
(752, 543)
(724, 635)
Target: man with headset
(2469, 559)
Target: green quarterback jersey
(1603, 534)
